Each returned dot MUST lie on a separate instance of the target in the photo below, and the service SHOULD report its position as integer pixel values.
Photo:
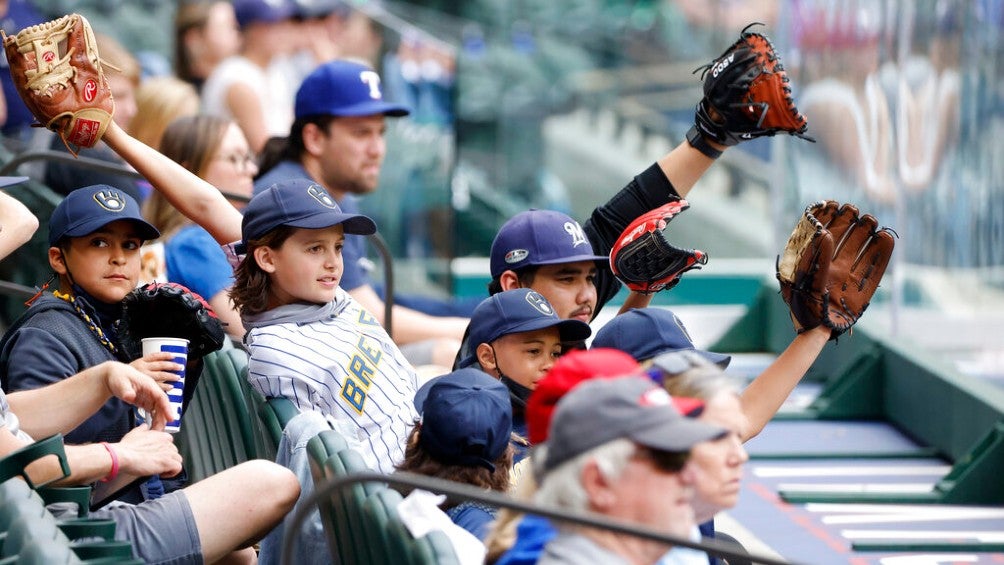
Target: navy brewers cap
(298, 203)
(516, 311)
(466, 418)
(88, 209)
(644, 333)
(343, 88)
(539, 237)
(265, 11)
(601, 410)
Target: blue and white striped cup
(179, 348)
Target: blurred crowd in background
(906, 100)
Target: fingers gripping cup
(179, 348)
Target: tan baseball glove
(832, 265)
(57, 72)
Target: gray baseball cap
(602, 410)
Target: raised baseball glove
(644, 260)
(746, 95)
(168, 310)
(832, 265)
(58, 74)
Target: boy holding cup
(95, 235)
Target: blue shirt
(354, 274)
(195, 259)
(475, 517)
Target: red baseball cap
(578, 366)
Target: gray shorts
(161, 530)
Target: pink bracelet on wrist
(115, 463)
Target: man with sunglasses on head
(619, 448)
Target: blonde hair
(702, 379)
(160, 101)
(502, 533)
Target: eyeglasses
(665, 461)
(240, 160)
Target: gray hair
(562, 486)
(687, 374)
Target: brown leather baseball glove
(58, 74)
(832, 265)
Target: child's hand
(159, 366)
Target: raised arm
(195, 198)
(764, 396)
(684, 166)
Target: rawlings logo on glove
(57, 72)
(642, 258)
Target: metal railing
(713, 547)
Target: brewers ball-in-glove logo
(540, 304)
(321, 195)
(110, 200)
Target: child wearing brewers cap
(463, 436)
(516, 337)
(309, 341)
(95, 234)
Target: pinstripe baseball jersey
(338, 360)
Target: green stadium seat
(275, 413)
(396, 543)
(389, 539)
(435, 548)
(13, 465)
(344, 509)
(81, 496)
(319, 449)
(219, 429)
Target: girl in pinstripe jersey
(309, 340)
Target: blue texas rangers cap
(265, 11)
(88, 209)
(516, 311)
(466, 418)
(539, 237)
(344, 88)
(298, 203)
(644, 333)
